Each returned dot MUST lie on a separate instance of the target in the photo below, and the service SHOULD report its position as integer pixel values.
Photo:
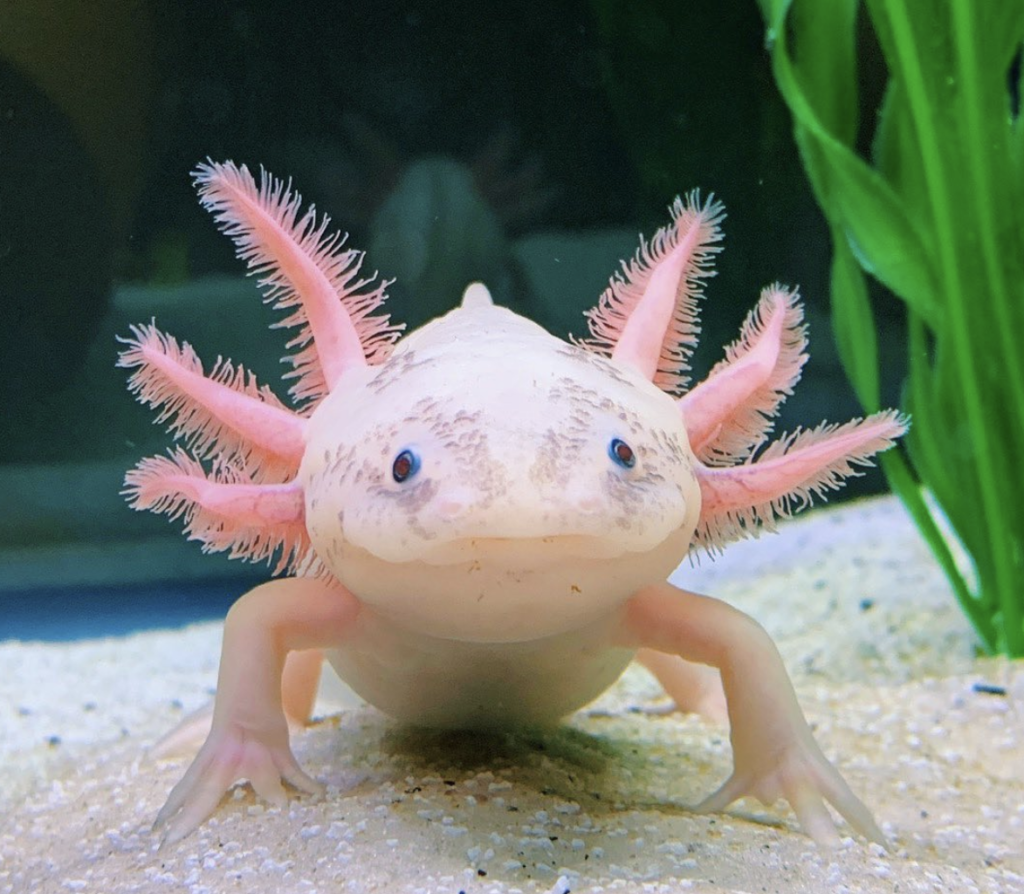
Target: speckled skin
(479, 521)
(518, 526)
(493, 584)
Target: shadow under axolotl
(561, 796)
(604, 773)
(473, 751)
(594, 749)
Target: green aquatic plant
(937, 217)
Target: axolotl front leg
(249, 733)
(774, 752)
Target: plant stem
(909, 492)
(970, 103)
(956, 326)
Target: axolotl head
(491, 482)
(482, 480)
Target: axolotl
(474, 523)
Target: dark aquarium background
(523, 144)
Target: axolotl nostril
(474, 523)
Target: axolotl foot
(258, 690)
(801, 775)
(229, 754)
(774, 752)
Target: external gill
(728, 418)
(245, 500)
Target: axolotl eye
(621, 453)
(406, 464)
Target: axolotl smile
(476, 507)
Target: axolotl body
(478, 519)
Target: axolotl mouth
(523, 552)
(523, 530)
(502, 589)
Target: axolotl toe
(474, 523)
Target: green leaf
(828, 63)
(853, 326)
(896, 153)
(886, 241)
(940, 221)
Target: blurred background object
(76, 86)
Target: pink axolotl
(478, 520)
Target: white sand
(595, 806)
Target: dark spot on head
(395, 368)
